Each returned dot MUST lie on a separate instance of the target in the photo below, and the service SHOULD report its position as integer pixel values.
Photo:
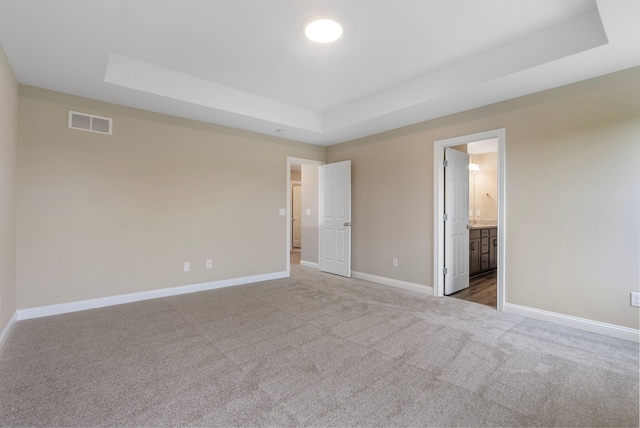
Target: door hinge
(445, 270)
(445, 163)
(445, 216)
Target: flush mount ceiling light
(323, 30)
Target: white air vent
(91, 123)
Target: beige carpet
(312, 350)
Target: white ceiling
(246, 63)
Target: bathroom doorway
(486, 249)
(483, 223)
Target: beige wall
(295, 175)
(105, 215)
(572, 198)
(486, 186)
(309, 251)
(8, 143)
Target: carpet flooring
(312, 350)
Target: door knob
(347, 224)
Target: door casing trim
(438, 207)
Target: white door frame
(290, 161)
(438, 192)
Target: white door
(456, 231)
(296, 225)
(334, 218)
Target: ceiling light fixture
(323, 30)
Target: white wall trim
(612, 330)
(424, 289)
(438, 207)
(309, 264)
(81, 305)
(7, 329)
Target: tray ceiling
(246, 63)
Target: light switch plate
(283, 211)
(308, 211)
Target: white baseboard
(309, 264)
(612, 330)
(81, 305)
(424, 289)
(7, 329)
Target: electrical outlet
(477, 213)
(635, 299)
(394, 262)
(209, 264)
(187, 266)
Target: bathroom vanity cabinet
(483, 249)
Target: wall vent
(89, 122)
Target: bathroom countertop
(483, 224)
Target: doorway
(302, 225)
(296, 211)
(492, 205)
(483, 222)
(296, 217)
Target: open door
(334, 228)
(456, 225)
